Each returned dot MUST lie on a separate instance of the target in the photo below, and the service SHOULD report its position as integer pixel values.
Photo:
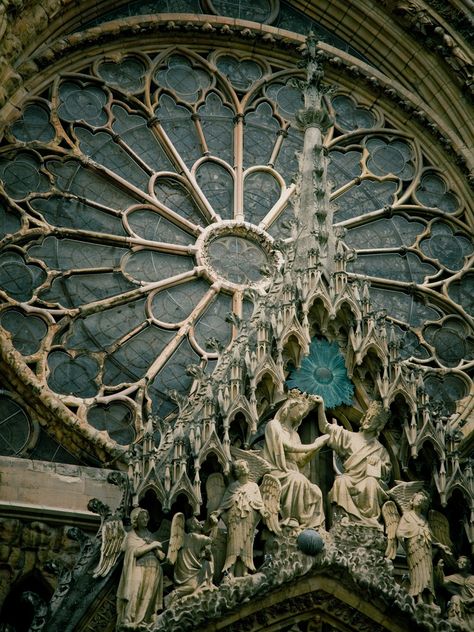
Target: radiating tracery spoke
(144, 196)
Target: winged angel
(140, 591)
(242, 504)
(418, 534)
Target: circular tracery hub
(237, 255)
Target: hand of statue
(372, 460)
(214, 518)
(440, 564)
(317, 399)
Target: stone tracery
(249, 377)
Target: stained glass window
(142, 200)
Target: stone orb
(310, 542)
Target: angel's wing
(215, 488)
(270, 489)
(112, 534)
(404, 492)
(176, 537)
(391, 518)
(439, 526)
(258, 466)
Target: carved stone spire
(312, 207)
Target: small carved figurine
(301, 500)
(191, 555)
(242, 506)
(360, 488)
(140, 591)
(461, 586)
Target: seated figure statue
(360, 489)
(301, 502)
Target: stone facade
(241, 256)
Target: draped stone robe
(360, 489)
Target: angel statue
(461, 586)
(242, 506)
(140, 591)
(360, 488)
(301, 501)
(417, 534)
(190, 553)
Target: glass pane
(217, 122)
(445, 390)
(180, 129)
(217, 184)
(187, 82)
(287, 161)
(344, 167)
(349, 116)
(14, 427)
(67, 254)
(175, 196)
(410, 345)
(34, 125)
(450, 341)
(131, 361)
(392, 157)
(147, 265)
(402, 306)
(408, 268)
(72, 376)
(127, 74)
(433, 192)
(86, 183)
(289, 99)
(27, 331)
(79, 289)
(261, 192)
(10, 221)
(149, 224)
(70, 213)
(174, 304)
(98, 331)
(173, 376)
(48, 449)
(462, 292)
(17, 278)
(255, 10)
(281, 227)
(20, 175)
(101, 147)
(384, 233)
(116, 419)
(134, 130)
(364, 198)
(237, 259)
(212, 326)
(449, 249)
(241, 73)
(260, 134)
(82, 103)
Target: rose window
(141, 199)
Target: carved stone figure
(242, 506)
(418, 534)
(461, 586)
(191, 555)
(301, 500)
(140, 591)
(360, 488)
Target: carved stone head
(375, 418)
(135, 515)
(296, 406)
